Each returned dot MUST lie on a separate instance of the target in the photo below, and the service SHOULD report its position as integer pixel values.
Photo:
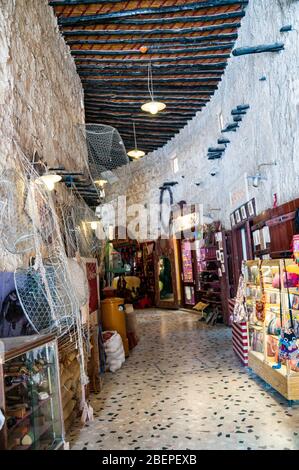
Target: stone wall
(269, 132)
(41, 96)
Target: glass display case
(30, 394)
(263, 280)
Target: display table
(286, 383)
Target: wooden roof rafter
(112, 42)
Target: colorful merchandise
(240, 313)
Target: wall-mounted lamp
(94, 225)
(49, 180)
(258, 177)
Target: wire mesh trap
(107, 157)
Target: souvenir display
(273, 325)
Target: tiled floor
(183, 388)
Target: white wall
(269, 131)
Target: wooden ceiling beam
(142, 73)
(126, 121)
(112, 32)
(173, 31)
(170, 43)
(174, 19)
(136, 108)
(132, 114)
(101, 17)
(137, 103)
(54, 3)
(158, 81)
(127, 99)
(142, 68)
(149, 138)
(134, 92)
(146, 61)
(179, 19)
(126, 52)
(122, 87)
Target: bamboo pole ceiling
(187, 42)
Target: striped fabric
(240, 341)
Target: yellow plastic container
(114, 318)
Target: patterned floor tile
(183, 388)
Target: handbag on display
(260, 304)
(240, 313)
(274, 326)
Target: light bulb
(49, 180)
(101, 183)
(153, 107)
(50, 185)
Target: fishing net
(79, 281)
(106, 156)
(50, 287)
(76, 219)
(30, 229)
(16, 229)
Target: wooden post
(275, 47)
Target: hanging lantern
(135, 153)
(153, 106)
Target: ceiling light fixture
(152, 107)
(135, 153)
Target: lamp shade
(101, 182)
(136, 153)
(153, 107)
(49, 180)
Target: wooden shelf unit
(284, 380)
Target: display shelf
(11, 387)
(284, 380)
(38, 356)
(31, 412)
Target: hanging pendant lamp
(153, 106)
(135, 153)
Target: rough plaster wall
(41, 92)
(269, 131)
(41, 96)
